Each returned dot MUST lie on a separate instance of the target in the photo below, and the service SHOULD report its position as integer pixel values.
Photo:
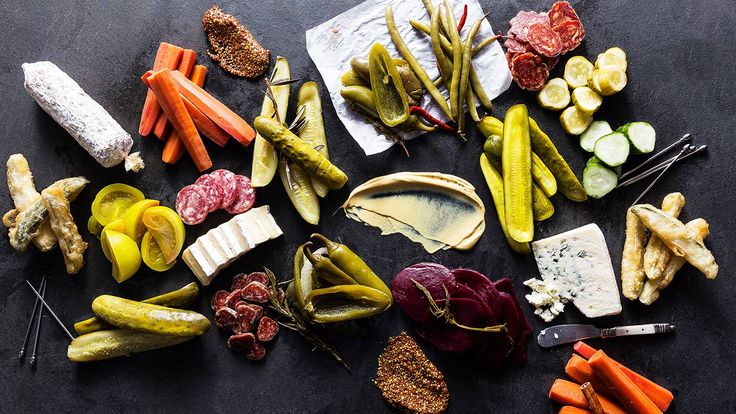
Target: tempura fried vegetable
(651, 290)
(678, 238)
(632, 261)
(62, 222)
(24, 194)
(657, 254)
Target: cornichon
(314, 130)
(353, 265)
(345, 303)
(567, 182)
(392, 103)
(265, 159)
(540, 173)
(300, 153)
(180, 298)
(350, 78)
(300, 191)
(28, 221)
(516, 161)
(495, 185)
(145, 317)
(113, 343)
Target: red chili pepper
(418, 110)
(464, 17)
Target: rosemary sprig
(296, 323)
(445, 314)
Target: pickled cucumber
(300, 191)
(555, 95)
(145, 317)
(112, 343)
(516, 161)
(314, 131)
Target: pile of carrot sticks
(177, 109)
(609, 387)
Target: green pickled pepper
(391, 99)
(345, 303)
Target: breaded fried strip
(24, 194)
(632, 260)
(62, 222)
(657, 254)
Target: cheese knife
(563, 334)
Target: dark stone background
(681, 79)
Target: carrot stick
(173, 106)
(622, 386)
(214, 109)
(568, 393)
(660, 395)
(188, 57)
(579, 370)
(167, 57)
(205, 125)
(569, 409)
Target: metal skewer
(22, 352)
(38, 329)
(48, 308)
(660, 166)
(646, 190)
(685, 138)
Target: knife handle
(647, 329)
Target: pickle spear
(145, 317)
(516, 161)
(265, 160)
(540, 173)
(300, 191)
(113, 343)
(567, 182)
(314, 130)
(180, 298)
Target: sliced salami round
(239, 281)
(544, 40)
(241, 341)
(249, 313)
(256, 352)
(515, 45)
(521, 22)
(267, 329)
(259, 277)
(213, 190)
(560, 12)
(571, 33)
(219, 299)
(232, 299)
(227, 182)
(256, 292)
(245, 196)
(191, 204)
(226, 318)
(529, 71)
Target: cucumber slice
(612, 149)
(596, 130)
(586, 100)
(642, 136)
(577, 71)
(598, 180)
(614, 56)
(609, 80)
(574, 122)
(554, 95)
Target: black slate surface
(681, 79)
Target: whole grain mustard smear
(233, 46)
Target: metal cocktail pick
(685, 138)
(22, 352)
(38, 327)
(48, 308)
(684, 149)
(662, 165)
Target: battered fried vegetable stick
(62, 222)
(24, 194)
(657, 254)
(632, 261)
(678, 238)
(650, 293)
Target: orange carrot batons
(174, 148)
(568, 393)
(628, 394)
(172, 103)
(167, 57)
(579, 370)
(569, 409)
(186, 64)
(214, 109)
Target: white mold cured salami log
(80, 115)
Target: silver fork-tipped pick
(685, 138)
(684, 149)
(48, 308)
(22, 352)
(38, 328)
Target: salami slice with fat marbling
(213, 190)
(523, 20)
(245, 196)
(267, 329)
(227, 182)
(256, 351)
(529, 71)
(544, 40)
(560, 12)
(571, 33)
(191, 204)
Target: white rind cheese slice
(578, 263)
(214, 251)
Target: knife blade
(563, 334)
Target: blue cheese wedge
(577, 262)
(224, 244)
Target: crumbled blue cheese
(577, 262)
(545, 298)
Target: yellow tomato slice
(134, 227)
(113, 200)
(124, 254)
(167, 229)
(94, 227)
(116, 225)
(152, 255)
